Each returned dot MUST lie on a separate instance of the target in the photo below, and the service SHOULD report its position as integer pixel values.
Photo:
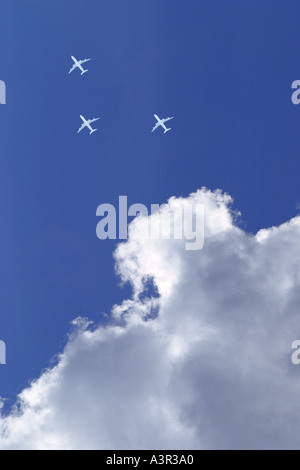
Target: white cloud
(213, 370)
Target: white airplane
(161, 122)
(78, 64)
(88, 125)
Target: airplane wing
(73, 68)
(156, 127)
(166, 120)
(82, 127)
(83, 61)
(93, 120)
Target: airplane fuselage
(88, 124)
(78, 65)
(160, 122)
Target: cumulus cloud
(198, 358)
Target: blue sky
(224, 69)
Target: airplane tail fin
(92, 132)
(85, 71)
(167, 131)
